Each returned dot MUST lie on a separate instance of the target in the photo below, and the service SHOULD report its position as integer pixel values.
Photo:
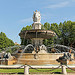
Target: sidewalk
(40, 74)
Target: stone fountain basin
(42, 59)
(37, 33)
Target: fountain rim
(38, 30)
(45, 34)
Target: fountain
(36, 34)
(39, 54)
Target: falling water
(16, 46)
(36, 34)
(64, 48)
(24, 37)
(23, 52)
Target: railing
(27, 67)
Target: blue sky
(16, 14)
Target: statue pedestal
(36, 25)
(7, 62)
(42, 52)
(37, 41)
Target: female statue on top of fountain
(36, 16)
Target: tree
(47, 26)
(55, 27)
(73, 35)
(68, 33)
(26, 28)
(60, 39)
(4, 41)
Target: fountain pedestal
(7, 62)
(37, 41)
(36, 25)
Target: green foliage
(12, 50)
(4, 41)
(9, 50)
(47, 26)
(65, 32)
(68, 33)
(26, 28)
(0, 50)
(55, 28)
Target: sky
(16, 14)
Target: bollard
(26, 70)
(64, 70)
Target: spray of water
(24, 51)
(58, 48)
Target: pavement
(40, 74)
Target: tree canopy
(5, 41)
(65, 33)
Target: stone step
(37, 62)
(38, 59)
(25, 57)
(38, 56)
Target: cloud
(59, 5)
(27, 20)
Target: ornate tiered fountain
(36, 34)
(39, 54)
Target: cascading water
(60, 48)
(24, 51)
